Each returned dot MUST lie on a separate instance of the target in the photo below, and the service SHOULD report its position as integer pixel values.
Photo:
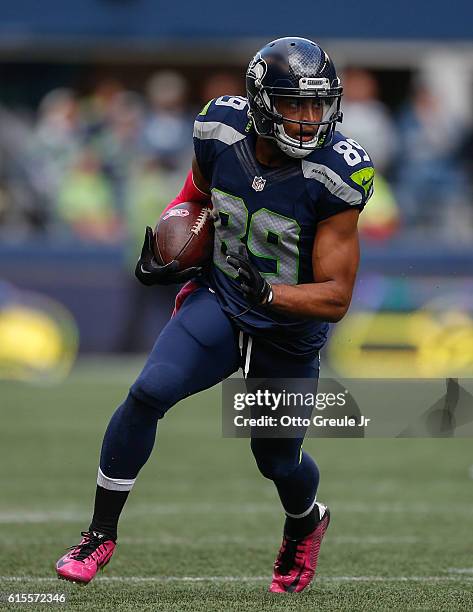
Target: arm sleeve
(189, 193)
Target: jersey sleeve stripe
(208, 130)
(332, 181)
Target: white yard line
(375, 540)
(224, 540)
(223, 579)
(176, 508)
(227, 540)
(41, 516)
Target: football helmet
(295, 68)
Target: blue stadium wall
(99, 289)
(151, 20)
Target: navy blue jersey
(275, 212)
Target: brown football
(185, 233)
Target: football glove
(255, 287)
(149, 272)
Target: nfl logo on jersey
(258, 183)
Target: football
(185, 233)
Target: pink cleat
(86, 558)
(296, 563)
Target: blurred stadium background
(96, 111)
(97, 100)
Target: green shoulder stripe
(206, 108)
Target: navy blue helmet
(293, 67)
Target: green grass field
(202, 527)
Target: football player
(286, 190)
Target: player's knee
(271, 465)
(159, 387)
(275, 469)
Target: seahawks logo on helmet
(257, 69)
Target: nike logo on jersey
(364, 178)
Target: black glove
(149, 272)
(255, 287)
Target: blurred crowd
(98, 168)
(422, 155)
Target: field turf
(202, 527)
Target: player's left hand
(255, 287)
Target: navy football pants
(198, 348)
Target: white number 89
(348, 148)
(236, 102)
